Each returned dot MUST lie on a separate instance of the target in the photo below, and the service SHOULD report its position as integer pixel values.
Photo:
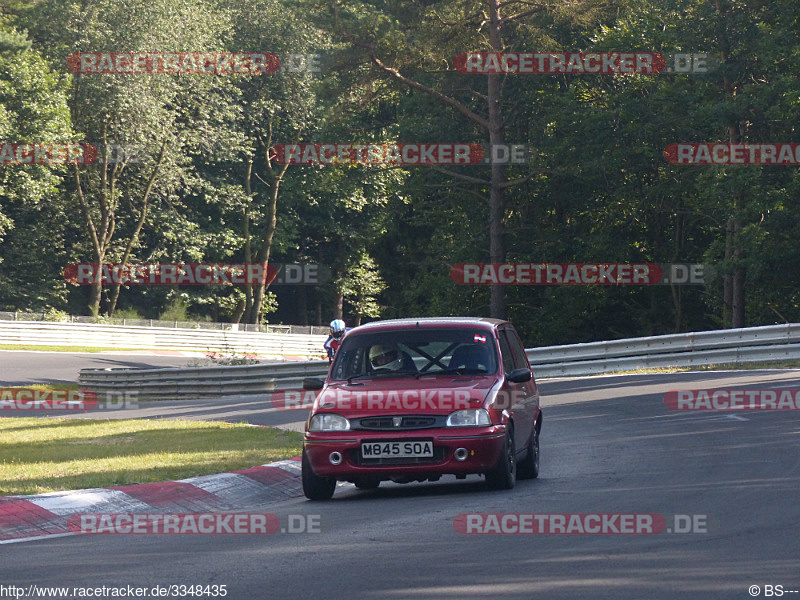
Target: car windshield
(416, 352)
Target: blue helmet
(337, 328)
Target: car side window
(517, 350)
(350, 363)
(505, 350)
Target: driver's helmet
(337, 328)
(385, 356)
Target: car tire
(368, 483)
(504, 476)
(528, 468)
(315, 487)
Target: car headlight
(328, 422)
(478, 417)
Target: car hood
(408, 395)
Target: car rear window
(423, 351)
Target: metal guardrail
(259, 328)
(203, 382)
(155, 338)
(746, 345)
(735, 346)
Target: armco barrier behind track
(50, 317)
(726, 346)
(38, 333)
(730, 346)
(203, 382)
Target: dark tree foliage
(597, 187)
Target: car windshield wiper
(457, 371)
(381, 374)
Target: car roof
(482, 322)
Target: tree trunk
(727, 278)
(238, 312)
(338, 305)
(262, 257)
(259, 290)
(497, 249)
(95, 292)
(494, 125)
(737, 292)
(100, 234)
(301, 304)
(112, 306)
(677, 290)
(248, 248)
(733, 280)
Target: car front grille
(398, 423)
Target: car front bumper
(483, 446)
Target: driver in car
(390, 358)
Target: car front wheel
(504, 476)
(315, 487)
(528, 468)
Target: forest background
(202, 187)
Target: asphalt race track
(609, 445)
(26, 367)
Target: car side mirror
(520, 375)
(313, 383)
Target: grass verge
(786, 364)
(778, 364)
(52, 454)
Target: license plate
(415, 449)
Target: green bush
(127, 313)
(175, 311)
(58, 316)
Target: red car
(415, 399)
